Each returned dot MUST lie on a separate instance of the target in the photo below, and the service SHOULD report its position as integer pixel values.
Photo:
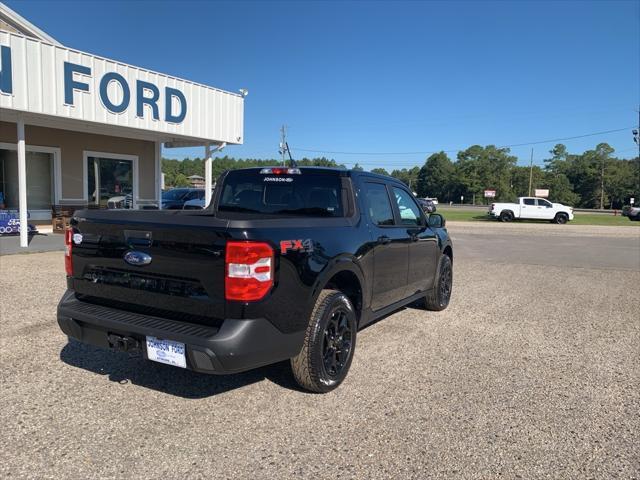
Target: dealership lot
(533, 371)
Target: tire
(329, 344)
(561, 218)
(506, 216)
(438, 298)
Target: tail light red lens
(249, 271)
(68, 246)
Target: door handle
(383, 239)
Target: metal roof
(38, 93)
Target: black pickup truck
(286, 263)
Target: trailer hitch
(122, 343)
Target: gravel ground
(532, 372)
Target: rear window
(304, 194)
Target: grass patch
(460, 215)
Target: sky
(382, 83)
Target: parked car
(120, 201)
(632, 212)
(434, 200)
(427, 205)
(196, 204)
(285, 263)
(175, 198)
(531, 208)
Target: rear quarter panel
(337, 244)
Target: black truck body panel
(383, 268)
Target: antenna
(292, 162)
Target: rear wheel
(327, 351)
(561, 218)
(506, 216)
(438, 298)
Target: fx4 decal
(296, 246)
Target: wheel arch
(346, 276)
(448, 251)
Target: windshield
(305, 194)
(175, 194)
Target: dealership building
(80, 130)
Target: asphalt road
(532, 372)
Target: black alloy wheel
(506, 216)
(329, 343)
(336, 343)
(438, 297)
(561, 218)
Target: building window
(110, 182)
(40, 182)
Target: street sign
(542, 192)
(489, 194)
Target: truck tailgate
(184, 278)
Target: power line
(592, 134)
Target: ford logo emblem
(137, 258)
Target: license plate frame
(165, 351)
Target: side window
(543, 203)
(409, 211)
(378, 205)
(529, 201)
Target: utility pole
(283, 143)
(530, 172)
(602, 183)
(636, 138)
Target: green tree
(409, 176)
(436, 177)
(380, 171)
(181, 180)
(481, 168)
(357, 167)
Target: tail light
(280, 171)
(68, 246)
(249, 271)
(493, 206)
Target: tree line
(592, 179)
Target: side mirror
(436, 221)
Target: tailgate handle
(137, 238)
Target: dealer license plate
(166, 351)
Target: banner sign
(542, 192)
(10, 223)
(489, 194)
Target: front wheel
(561, 218)
(327, 351)
(438, 298)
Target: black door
(423, 247)
(391, 249)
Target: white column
(96, 176)
(208, 173)
(159, 182)
(22, 185)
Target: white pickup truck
(531, 208)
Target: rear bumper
(237, 346)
